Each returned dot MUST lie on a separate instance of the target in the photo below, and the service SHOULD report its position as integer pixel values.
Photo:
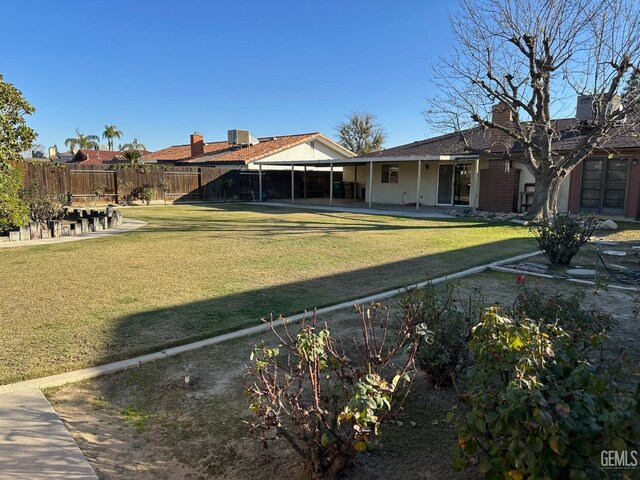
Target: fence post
(200, 189)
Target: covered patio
(391, 183)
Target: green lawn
(198, 270)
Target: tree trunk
(545, 198)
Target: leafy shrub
(145, 194)
(44, 205)
(125, 193)
(582, 325)
(561, 237)
(164, 186)
(327, 403)
(450, 323)
(98, 189)
(13, 211)
(537, 410)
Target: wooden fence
(184, 183)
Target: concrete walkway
(128, 225)
(34, 444)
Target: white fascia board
(366, 160)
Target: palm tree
(135, 145)
(132, 155)
(81, 141)
(110, 133)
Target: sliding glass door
(604, 185)
(454, 184)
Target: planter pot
(25, 233)
(35, 230)
(56, 228)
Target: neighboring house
(62, 157)
(440, 171)
(99, 157)
(235, 160)
(242, 149)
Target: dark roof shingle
(569, 130)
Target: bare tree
(361, 133)
(530, 56)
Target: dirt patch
(146, 424)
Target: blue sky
(161, 70)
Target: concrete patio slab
(360, 207)
(34, 443)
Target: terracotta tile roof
(94, 157)
(220, 152)
(570, 133)
(99, 157)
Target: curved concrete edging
(498, 268)
(92, 372)
(128, 225)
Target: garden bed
(75, 222)
(145, 423)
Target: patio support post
(331, 184)
(418, 189)
(305, 181)
(260, 182)
(355, 182)
(476, 181)
(292, 185)
(370, 186)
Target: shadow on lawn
(154, 330)
(289, 223)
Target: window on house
(390, 173)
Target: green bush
(44, 206)
(537, 409)
(13, 211)
(584, 326)
(561, 237)
(326, 402)
(450, 322)
(146, 194)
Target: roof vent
(241, 138)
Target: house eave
(366, 160)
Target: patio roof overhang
(365, 160)
(355, 161)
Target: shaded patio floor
(360, 206)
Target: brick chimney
(501, 115)
(197, 145)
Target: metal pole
(305, 181)
(370, 186)
(418, 189)
(331, 184)
(292, 186)
(260, 182)
(355, 182)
